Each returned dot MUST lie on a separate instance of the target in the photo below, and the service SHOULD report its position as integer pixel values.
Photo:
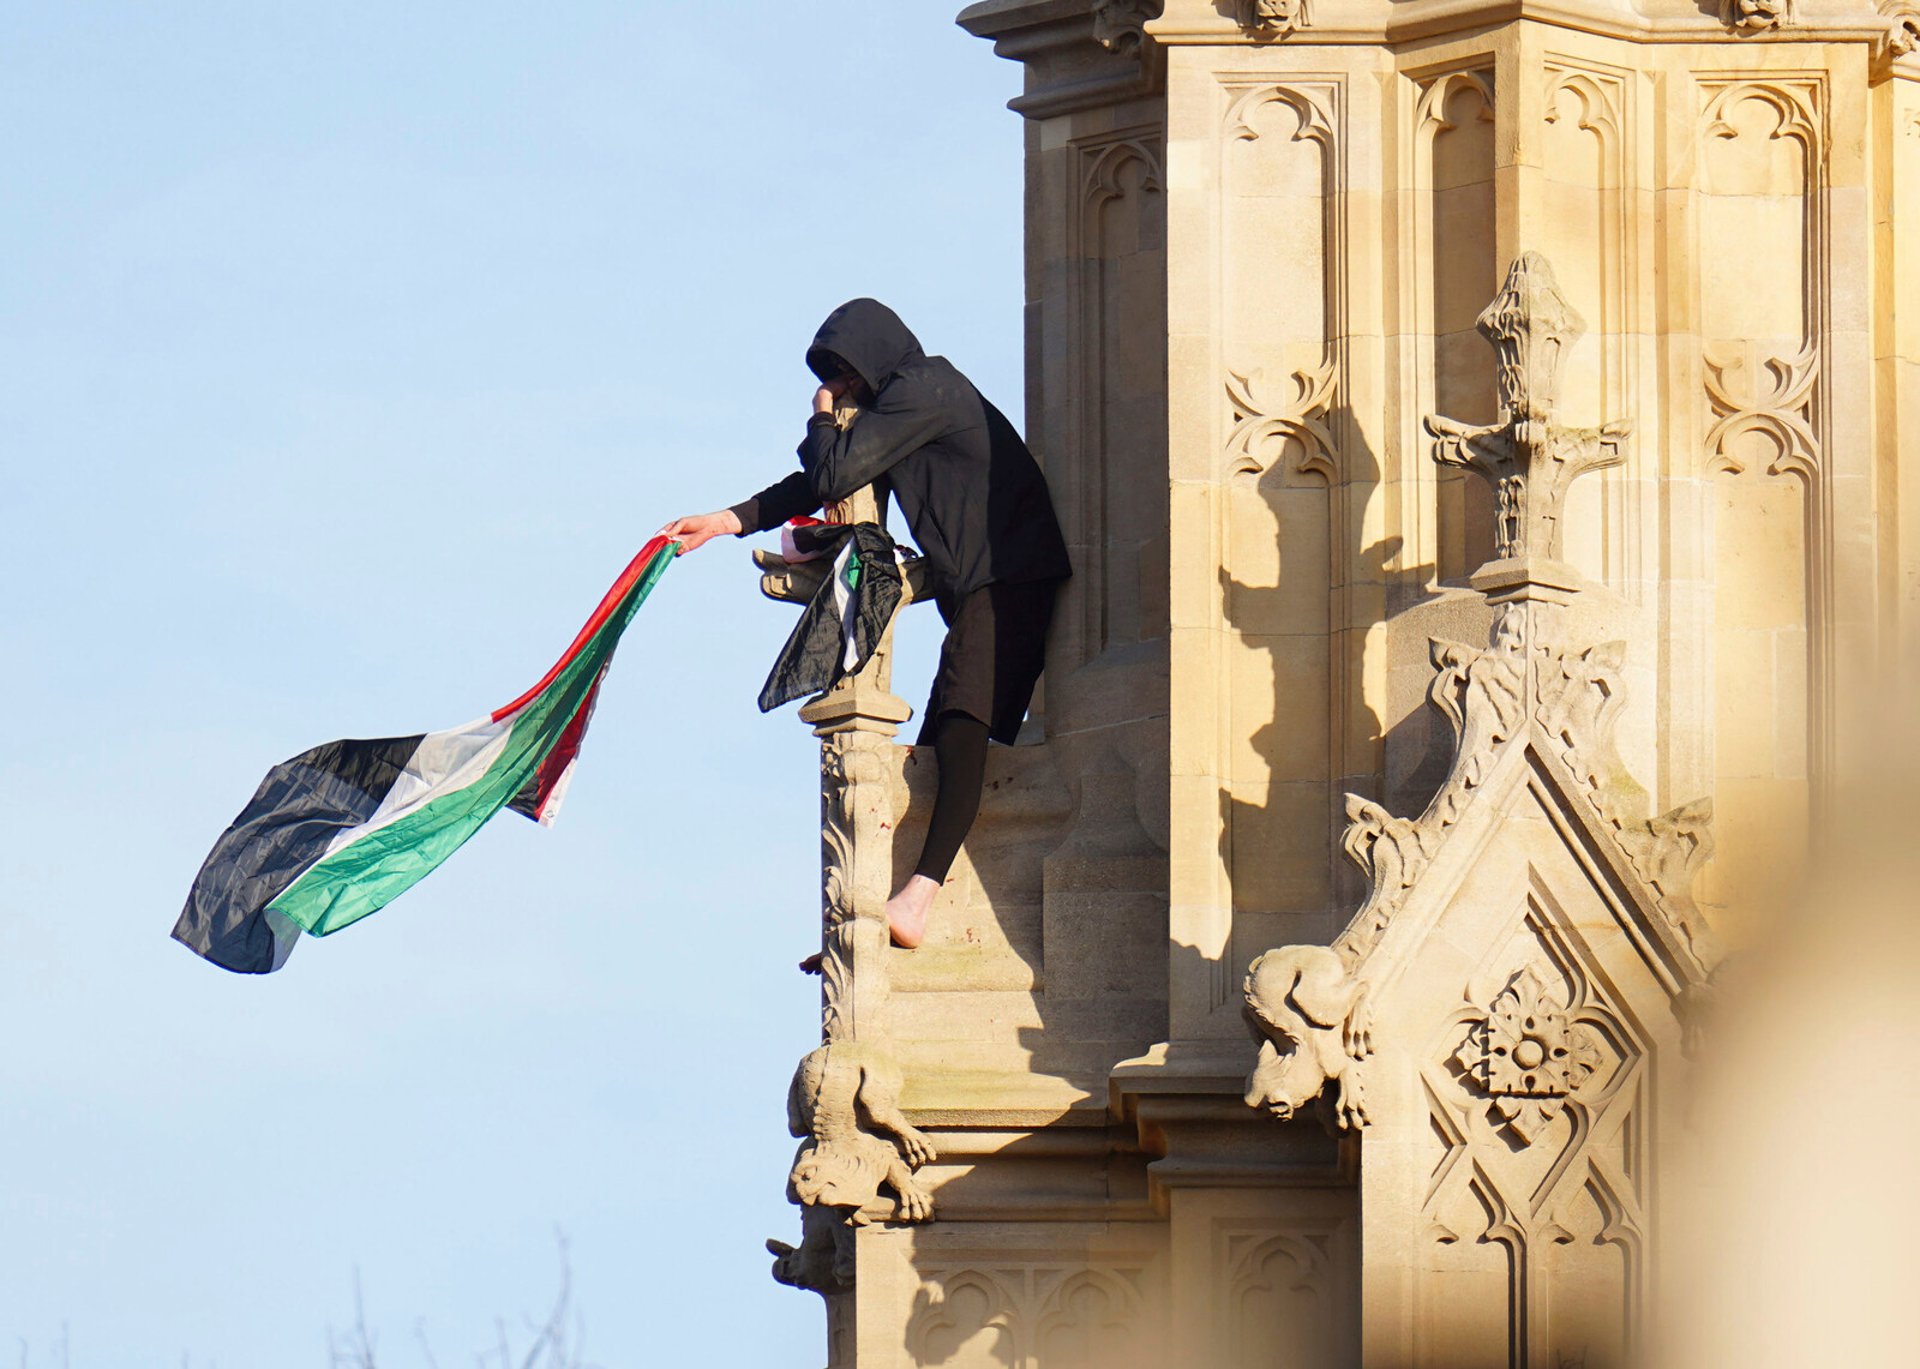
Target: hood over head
(866, 335)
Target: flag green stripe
(370, 872)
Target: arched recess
(1456, 273)
(1284, 534)
(1278, 1308)
(1762, 246)
(1094, 1318)
(1585, 232)
(1116, 514)
(965, 1321)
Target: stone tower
(1491, 457)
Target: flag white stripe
(443, 763)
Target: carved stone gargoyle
(1271, 18)
(1119, 25)
(1314, 1017)
(844, 1104)
(1755, 16)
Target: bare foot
(907, 911)
(814, 964)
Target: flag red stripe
(608, 603)
(564, 750)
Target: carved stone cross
(1528, 459)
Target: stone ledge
(998, 1100)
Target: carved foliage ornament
(855, 865)
(1300, 417)
(1527, 1055)
(1770, 396)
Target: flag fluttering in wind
(340, 831)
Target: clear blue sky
(346, 353)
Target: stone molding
(1079, 54)
(1087, 54)
(1216, 23)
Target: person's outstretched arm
(836, 464)
(773, 506)
(695, 530)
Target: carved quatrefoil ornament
(1527, 1056)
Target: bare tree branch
(557, 1340)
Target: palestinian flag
(342, 830)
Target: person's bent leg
(960, 746)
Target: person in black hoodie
(977, 507)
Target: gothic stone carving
(1528, 458)
(1301, 416)
(1525, 689)
(1017, 1309)
(1755, 16)
(855, 867)
(1120, 25)
(1273, 18)
(1527, 1056)
(1537, 1113)
(1315, 1021)
(844, 1102)
(1773, 395)
(1903, 30)
(844, 1097)
(1563, 704)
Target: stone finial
(1528, 458)
(1530, 324)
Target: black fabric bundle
(841, 618)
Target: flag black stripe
(298, 809)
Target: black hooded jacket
(971, 492)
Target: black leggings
(960, 745)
